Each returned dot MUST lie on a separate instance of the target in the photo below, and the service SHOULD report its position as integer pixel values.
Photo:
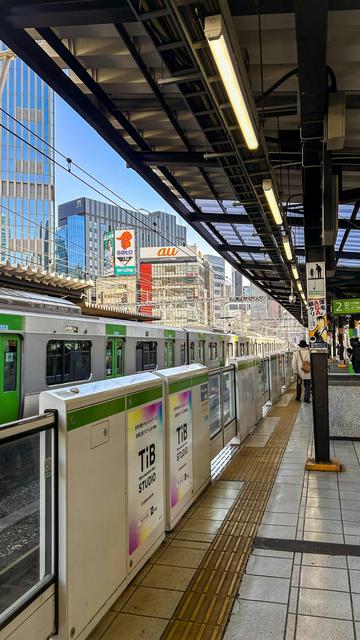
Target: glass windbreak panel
(108, 358)
(119, 358)
(10, 365)
(182, 353)
(214, 404)
(228, 397)
(26, 534)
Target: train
(48, 342)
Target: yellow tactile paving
(187, 589)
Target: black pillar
(334, 337)
(319, 372)
(341, 338)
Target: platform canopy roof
(142, 74)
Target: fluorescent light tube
(272, 202)
(219, 43)
(287, 247)
(295, 272)
(299, 285)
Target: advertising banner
(145, 472)
(125, 264)
(315, 280)
(181, 462)
(108, 267)
(317, 321)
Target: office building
(27, 177)
(116, 292)
(222, 289)
(83, 223)
(237, 283)
(172, 285)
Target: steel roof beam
(23, 15)
(177, 158)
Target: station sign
(346, 307)
(315, 280)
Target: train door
(169, 353)
(10, 377)
(114, 357)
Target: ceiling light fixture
(224, 57)
(287, 247)
(295, 272)
(272, 202)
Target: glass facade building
(83, 222)
(27, 177)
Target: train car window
(202, 351)
(68, 361)
(182, 353)
(236, 349)
(191, 352)
(108, 358)
(230, 349)
(222, 347)
(10, 365)
(146, 356)
(212, 350)
(242, 348)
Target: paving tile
(273, 567)
(273, 553)
(355, 581)
(211, 513)
(135, 627)
(199, 525)
(168, 577)
(351, 528)
(352, 540)
(125, 596)
(353, 505)
(322, 560)
(102, 626)
(216, 502)
(288, 519)
(195, 535)
(323, 526)
(274, 531)
(323, 502)
(255, 620)
(354, 562)
(356, 606)
(158, 603)
(295, 576)
(323, 493)
(182, 557)
(309, 627)
(324, 578)
(329, 604)
(263, 588)
(189, 544)
(323, 537)
(323, 514)
(351, 516)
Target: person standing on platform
(355, 356)
(302, 370)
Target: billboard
(125, 264)
(108, 267)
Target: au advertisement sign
(145, 472)
(317, 321)
(181, 462)
(125, 251)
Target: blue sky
(77, 140)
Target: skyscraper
(83, 222)
(218, 265)
(27, 177)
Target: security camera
(292, 298)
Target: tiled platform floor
(190, 587)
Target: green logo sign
(346, 307)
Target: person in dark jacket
(355, 358)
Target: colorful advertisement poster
(317, 321)
(181, 462)
(108, 267)
(145, 472)
(125, 251)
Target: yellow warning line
(205, 607)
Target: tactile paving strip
(205, 606)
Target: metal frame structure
(142, 74)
